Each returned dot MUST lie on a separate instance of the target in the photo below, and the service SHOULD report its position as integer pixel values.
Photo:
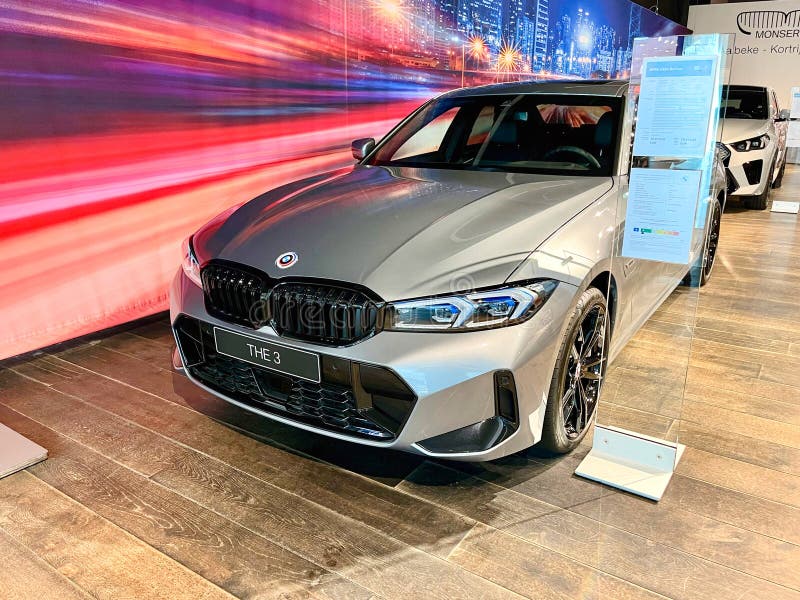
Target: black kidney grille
(322, 313)
(234, 294)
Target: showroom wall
(124, 125)
(767, 44)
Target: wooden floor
(156, 490)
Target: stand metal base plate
(17, 452)
(630, 461)
(783, 206)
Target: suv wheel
(578, 376)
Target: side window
(428, 139)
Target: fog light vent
(752, 171)
(505, 395)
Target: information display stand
(671, 200)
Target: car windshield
(744, 103)
(529, 133)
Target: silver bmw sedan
(456, 293)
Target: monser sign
(769, 24)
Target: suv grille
(321, 313)
(375, 407)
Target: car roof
(579, 86)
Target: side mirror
(784, 115)
(362, 147)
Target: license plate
(269, 355)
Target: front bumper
(452, 376)
(747, 171)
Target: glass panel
(428, 139)
(672, 191)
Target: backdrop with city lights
(125, 124)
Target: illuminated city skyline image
(125, 124)
(498, 39)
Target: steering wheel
(593, 162)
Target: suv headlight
(190, 264)
(484, 309)
(756, 143)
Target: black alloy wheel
(578, 375)
(584, 373)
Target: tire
(761, 201)
(700, 272)
(566, 424)
(779, 179)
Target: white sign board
(793, 137)
(676, 98)
(795, 103)
(659, 220)
(766, 50)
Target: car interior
(527, 133)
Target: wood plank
(535, 572)
(739, 423)
(636, 559)
(126, 443)
(399, 515)
(741, 476)
(361, 554)
(761, 339)
(345, 546)
(98, 556)
(548, 480)
(490, 504)
(230, 556)
(700, 536)
(157, 329)
(765, 408)
(25, 576)
(746, 511)
(176, 388)
(721, 377)
(633, 389)
(748, 449)
(648, 423)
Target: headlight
(466, 312)
(756, 143)
(190, 265)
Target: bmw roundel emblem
(286, 260)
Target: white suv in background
(754, 130)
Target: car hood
(736, 130)
(401, 232)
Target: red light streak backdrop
(126, 124)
